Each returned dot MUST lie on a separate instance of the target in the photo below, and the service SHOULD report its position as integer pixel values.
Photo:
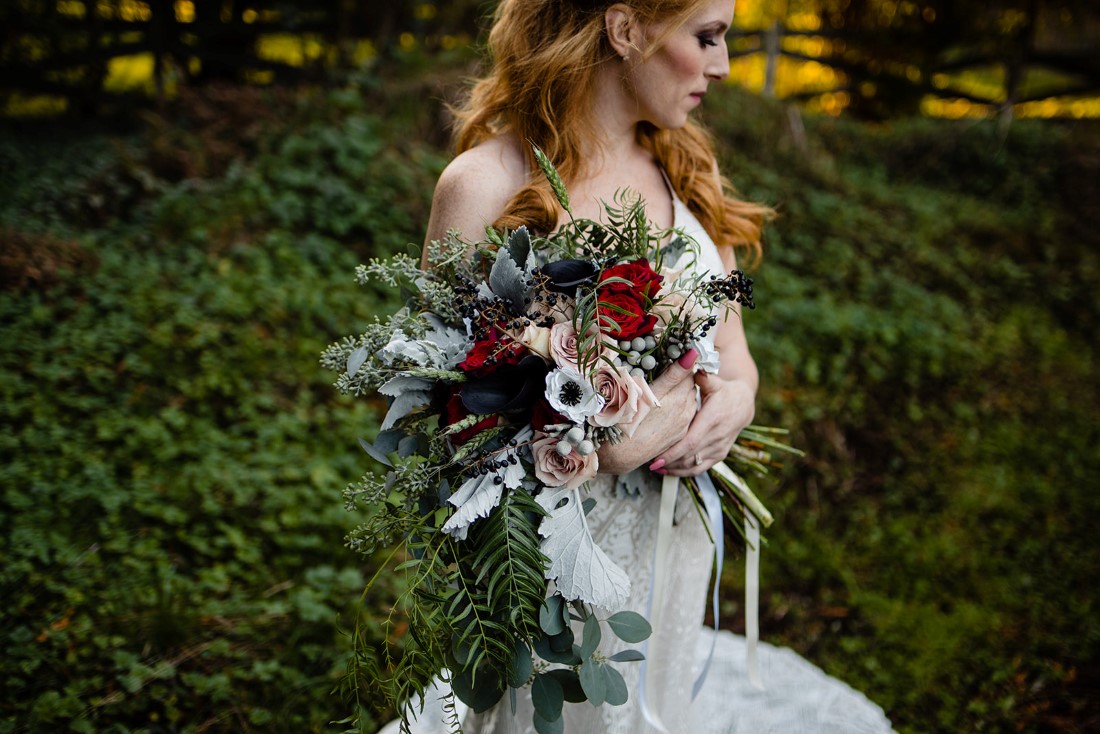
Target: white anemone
(572, 395)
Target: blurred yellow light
(407, 41)
(249, 16)
(72, 8)
(185, 11)
(425, 11)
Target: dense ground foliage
(172, 456)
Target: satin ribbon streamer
(713, 505)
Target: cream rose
(535, 338)
(555, 470)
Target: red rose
(501, 348)
(628, 310)
(454, 411)
(643, 279)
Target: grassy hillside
(172, 457)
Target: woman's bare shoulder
(476, 186)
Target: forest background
(178, 233)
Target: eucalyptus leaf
(616, 686)
(375, 454)
(627, 656)
(570, 684)
(481, 696)
(386, 441)
(546, 726)
(550, 615)
(521, 665)
(593, 682)
(407, 446)
(547, 697)
(588, 504)
(591, 639)
(356, 359)
(404, 404)
(544, 647)
(629, 626)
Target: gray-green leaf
(591, 638)
(521, 665)
(507, 280)
(545, 726)
(616, 686)
(627, 656)
(550, 617)
(547, 697)
(593, 682)
(356, 359)
(629, 626)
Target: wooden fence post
(771, 48)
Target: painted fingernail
(688, 359)
(662, 472)
(656, 466)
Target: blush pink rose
(565, 344)
(555, 470)
(621, 397)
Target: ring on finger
(698, 459)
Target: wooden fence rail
(769, 41)
(74, 54)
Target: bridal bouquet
(512, 362)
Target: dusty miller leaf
(507, 279)
(578, 566)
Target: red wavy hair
(545, 55)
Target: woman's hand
(728, 405)
(663, 427)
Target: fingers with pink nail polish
(688, 359)
(657, 465)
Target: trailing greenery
(173, 459)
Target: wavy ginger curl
(545, 57)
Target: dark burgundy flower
(454, 411)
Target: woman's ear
(623, 31)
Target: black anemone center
(570, 394)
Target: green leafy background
(171, 525)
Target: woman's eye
(706, 40)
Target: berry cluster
(734, 287)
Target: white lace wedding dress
(797, 698)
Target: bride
(607, 90)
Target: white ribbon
(752, 599)
(713, 505)
(669, 488)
